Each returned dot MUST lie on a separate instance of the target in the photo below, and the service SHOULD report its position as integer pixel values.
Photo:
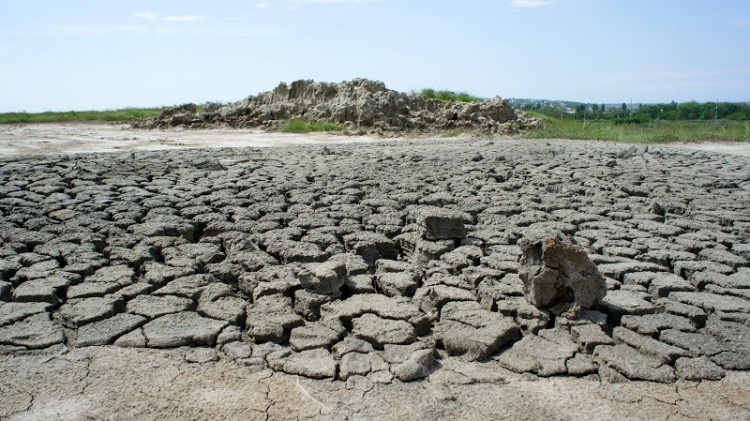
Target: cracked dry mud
(371, 281)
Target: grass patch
(126, 114)
(450, 95)
(455, 133)
(656, 132)
(307, 126)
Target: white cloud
(146, 15)
(149, 23)
(103, 30)
(296, 4)
(527, 4)
(165, 30)
(17, 32)
(333, 1)
(183, 18)
(165, 18)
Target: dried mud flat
(297, 282)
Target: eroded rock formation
(360, 104)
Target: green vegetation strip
(450, 96)
(307, 126)
(655, 132)
(126, 114)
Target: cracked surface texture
(319, 281)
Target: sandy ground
(742, 149)
(69, 138)
(53, 139)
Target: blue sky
(78, 54)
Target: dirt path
(737, 148)
(70, 138)
(53, 139)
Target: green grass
(455, 133)
(656, 132)
(126, 114)
(450, 96)
(307, 126)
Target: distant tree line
(645, 113)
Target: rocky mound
(360, 104)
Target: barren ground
(127, 384)
(55, 138)
(688, 261)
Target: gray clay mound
(381, 260)
(361, 105)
